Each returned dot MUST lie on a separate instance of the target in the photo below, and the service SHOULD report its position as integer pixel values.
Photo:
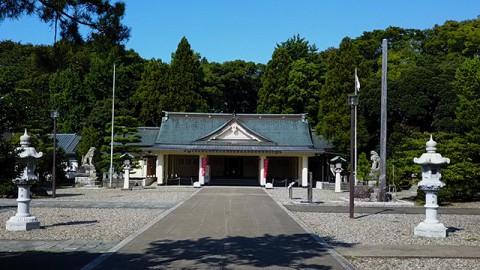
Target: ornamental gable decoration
(233, 131)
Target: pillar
(261, 177)
(304, 171)
(159, 169)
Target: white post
(263, 181)
(338, 177)
(126, 178)
(159, 169)
(304, 171)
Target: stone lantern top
(28, 151)
(431, 156)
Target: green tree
(125, 137)
(89, 139)
(150, 98)
(101, 17)
(292, 80)
(232, 86)
(467, 87)
(334, 112)
(363, 168)
(272, 96)
(185, 93)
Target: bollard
(310, 190)
(290, 190)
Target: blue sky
(250, 29)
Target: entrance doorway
(233, 170)
(233, 167)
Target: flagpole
(111, 139)
(357, 84)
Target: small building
(69, 142)
(250, 148)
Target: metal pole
(352, 161)
(54, 153)
(111, 139)
(383, 124)
(355, 147)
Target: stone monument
(86, 174)
(375, 158)
(23, 220)
(431, 184)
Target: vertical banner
(265, 168)
(204, 165)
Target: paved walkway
(225, 228)
(218, 228)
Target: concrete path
(225, 228)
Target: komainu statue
(87, 159)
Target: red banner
(265, 168)
(204, 165)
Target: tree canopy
(433, 86)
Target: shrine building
(211, 148)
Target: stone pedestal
(338, 181)
(431, 227)
(23, 220)
(86, 176)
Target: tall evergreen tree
(185, 93)
(292, 80)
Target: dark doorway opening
(234, 170)
(233, 167)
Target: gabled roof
(231, 129)
(196, 132)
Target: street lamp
(54, 114)
(353, 103)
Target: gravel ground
(94, 223)
(335, 228)
(338, 229)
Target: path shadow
(71, 223)
(68, 195)
(298, 251)
(45, 260)
(383, 211)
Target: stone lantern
(23, 220)
(431, 184)
(336, 168)
(127, 160)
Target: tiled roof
(280, 132)
(148, 136)
(68, 142)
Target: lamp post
(352, 102)
(54, 114)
